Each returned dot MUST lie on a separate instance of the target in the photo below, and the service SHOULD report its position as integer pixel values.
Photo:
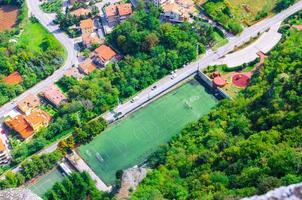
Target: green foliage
(12, 180)
(244, 147)
(77, 186)
(52, 6)
(283, 4)
(34, 59)
(89, 130)
(39, 164)
(221, 13)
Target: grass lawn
(34, 36)
(246, 10)
(130, 141)
(49, 109)
(219, 41)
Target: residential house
(103, 55)
(29, 103)
(117, 13)
(177, 10)
(87, 67)
(4, 157)
(20, 125)
(87, 26)
(26, 126)
(111, 15)
(80, 12)
(13, 79)
(124, 11)
(38, 119)
(172, 12)
(54, 95)
(90, 39)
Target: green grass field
(46, 182)
(246, 10)
(132, 140)
(35, 36)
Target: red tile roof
(87, 66)
(37, 118)
(14, 78)
(89, 39)
(111, 11)
(54, 95)
(80, 12)
(87, 23)
(20, 125)
(124, 9)
(105, 53)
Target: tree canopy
(243, 147)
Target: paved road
(248, 54)
(46, 21)
(200, 64)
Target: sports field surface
(132, 140)
(46, 182)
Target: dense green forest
(77, 186)
(243, 147)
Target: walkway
(81, 166)
(248, 54)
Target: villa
(87, 26)
(28, 104)
(54, 95)
(26, 126)
(117, 13)
(103, 55)
(87, 67)
(13, 79)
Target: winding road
(46, 21)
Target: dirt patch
(8, 17)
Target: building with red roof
(54, 95)
(87, 26)
(103, 55)
(26, 126)
(117, 13)
(13, 79)
(87, 67)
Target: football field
(131, 140)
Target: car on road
(154, 87)
(173, 76)
(134, 99)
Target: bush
(235, 27)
